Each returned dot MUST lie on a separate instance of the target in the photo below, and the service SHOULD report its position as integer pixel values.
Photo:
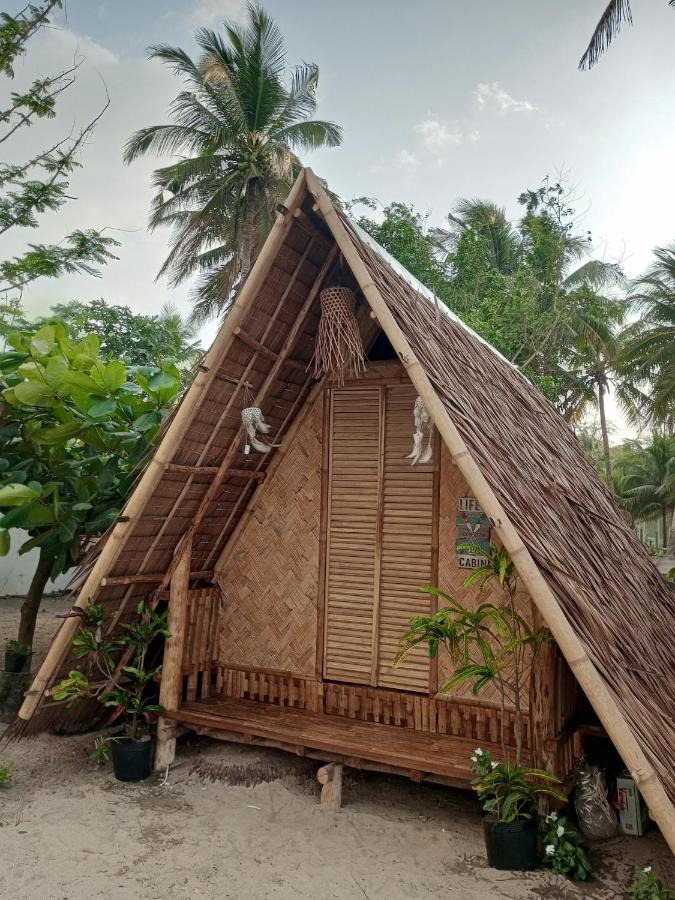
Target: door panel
(380, 536)
(354, 486)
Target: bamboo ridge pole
(171, 680)
(587, 675)
(164, 453)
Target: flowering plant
(507, 791)
(561, 852)
(650, 887)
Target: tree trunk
(31, 605)
(249, 231)
(605, 437)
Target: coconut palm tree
(596, 360)
(616, 13)
(235, 130)
(650, 342)
(652, 490)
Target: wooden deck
(405, 751)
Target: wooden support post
(172, 679)
(330, 777)
(543, 712)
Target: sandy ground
(68, 830)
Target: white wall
(16, 571)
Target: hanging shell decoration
(423, 424)
(338, 349)
(254, 423)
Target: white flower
(552, 817)
(474, 759)
(647, 869)
(561, 830)
(550, 849)
(494, 765)
(478, 751)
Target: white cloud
(404, 159)
(437, 134)
(213, 12)
(492, 94)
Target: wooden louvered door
(380, 537)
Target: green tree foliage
(74, 430)
(135, 339)
(526, 287)
(40, 184)
(236, 130)
(650, 341)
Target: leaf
(59, 434)
(42, 342)
(113, 375)
(147, 420)
(34, 393)
(29, 515)
(4, 542)
(17, 495)
(55, 370)
(161, 380)
(78, 380)
(101, 407)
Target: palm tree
(616, 13)
(488, 221)
(652, 490)
(236, 130)
(650, 342)
(596, 361)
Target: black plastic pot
(15, 661)
(132, 760)
(511, 845)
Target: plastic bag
(596, 817)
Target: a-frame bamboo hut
(292, 574)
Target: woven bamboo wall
(451, 577)
(270, 579)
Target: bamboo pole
(172, 677)
(164, 453)
(596, 690)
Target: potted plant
(509, 795)
(123, 684)
(493, 644)
(16, 656)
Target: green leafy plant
(130, 698)
(6, 770)
(507, 791)
(487, 644)
(561, 851)
(16, 647)
(101, 752)
(74, 429)
(649, 886)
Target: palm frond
(616, 12)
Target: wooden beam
(251, 342)
(112, 580)
(190, 470)
(170, 688)
(330, 779)
(148, 482)
(592, 683)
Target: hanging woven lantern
(338, 349)
(423, 424)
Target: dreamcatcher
(423, 424)
(254, 423)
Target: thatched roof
(599, 587)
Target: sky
(438, 99)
